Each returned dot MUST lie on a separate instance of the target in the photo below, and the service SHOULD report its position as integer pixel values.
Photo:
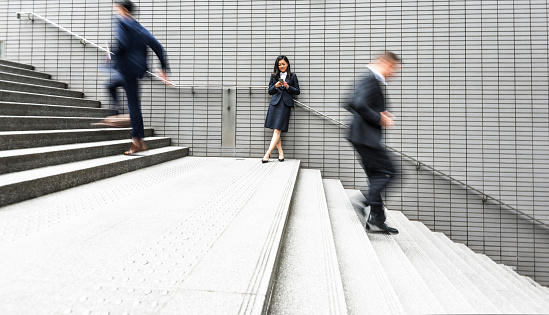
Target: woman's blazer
(287, 94)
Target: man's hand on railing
(162, 75)
(108, 52)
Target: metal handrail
(419, 164)
(485, 197)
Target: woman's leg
(279, 147)
(274, 142)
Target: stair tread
(441, 285)
(2, 103)
(414, 294)
(460, 281)
(50, 117)
(28, 109)
(169, 225)
(49, 89)
(16, 64)
(29, 72)
(66, 131)
(308, 278)
(22, 97)
(48, 95)
(17, 177)
(367, 287)
(502, 281)
(21, 78)
(19, 152)
(47, 122)
(539, 289)
(470, 269)
(10, 140)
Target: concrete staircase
(218, 236)
(235, 236)
(47, 142)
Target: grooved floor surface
(148, 242)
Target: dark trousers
(131, 86)
(380, 171)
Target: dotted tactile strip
(153, 274)
(115, 300)
(47, 211)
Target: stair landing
(193, 235)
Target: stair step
(500, 279)
(26, 123)
(308, 279)
(540, 290)
(5, 76)
(19, 186)
(470, 270)
(16, 64)
(257, 207)
(34, 98)
(501, 282)
(38, 89)
(535, 289)
(27, 159)
(441, 285)
(26, 109)
(13, 140)
(367, 287)
(190, 236)
(414, 294)
(466, 288)
(26, 72)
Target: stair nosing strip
(275, 229)
(336, 291)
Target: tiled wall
(471, 100)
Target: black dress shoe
(264, 161)
(383, 227)
(281, 160)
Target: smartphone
(281, 80)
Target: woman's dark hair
(276, 71)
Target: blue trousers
(380, 171)
(131, 86)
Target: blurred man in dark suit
(130, 63)
(368, 106)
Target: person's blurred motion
(129, 59)
(368, 105)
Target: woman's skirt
(278, 116)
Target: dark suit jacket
(130, 51)
(287, 94)
(366, 105)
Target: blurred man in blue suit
(370, 115)
(130, 64)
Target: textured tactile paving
(51, 210)
(129, 244)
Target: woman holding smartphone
(283, 85)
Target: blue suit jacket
(287, 94)
(130, 51)
(366, 106)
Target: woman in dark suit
(282, 86)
